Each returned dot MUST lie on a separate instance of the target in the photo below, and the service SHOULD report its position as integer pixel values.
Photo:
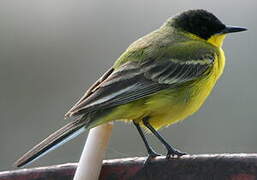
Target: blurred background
(51, 51)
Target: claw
(151, 156)
(173, 152)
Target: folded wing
(135, 80)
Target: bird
(160, 79)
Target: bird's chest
(174, 105)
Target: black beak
(232, 29)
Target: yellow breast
(169, 107)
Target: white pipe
(90, 162)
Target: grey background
(51, 51)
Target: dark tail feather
(52, 142)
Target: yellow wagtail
(161, 79)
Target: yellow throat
(217, 40)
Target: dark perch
(193, 167)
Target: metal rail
(189, 167)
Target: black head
(199, 22)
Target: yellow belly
(171, 105)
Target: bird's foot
(151, 156)
(174, 152)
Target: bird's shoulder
(144, 48)
(189, 51)
(160, 45)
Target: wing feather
(134, 80)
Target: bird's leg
(151, 153)
(170, 150)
